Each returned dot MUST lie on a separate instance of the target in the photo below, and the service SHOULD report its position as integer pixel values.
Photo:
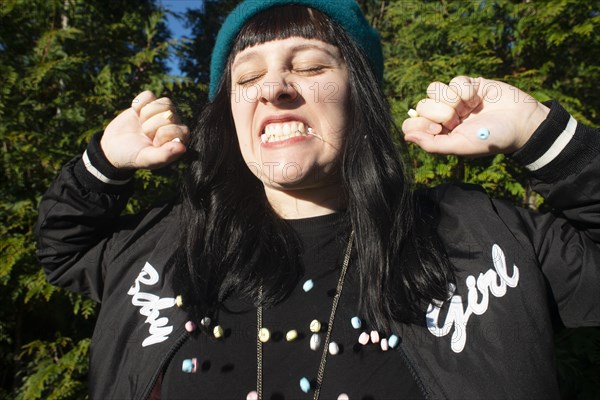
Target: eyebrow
(299, 47)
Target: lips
(282, 128)
(280, 131)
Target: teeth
(282, 131)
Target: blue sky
(176, 25)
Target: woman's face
(289, 103)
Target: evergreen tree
(67, 67)
(204, 23)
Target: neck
(305, 203)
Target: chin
(310, 180)
(289, 182)
(286, 173)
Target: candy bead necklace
(323, 362)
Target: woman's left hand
(474, 117)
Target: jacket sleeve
(78, 218)
(563, 157)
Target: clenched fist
(147, 135)
(474, 117)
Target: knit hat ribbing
(347, 13)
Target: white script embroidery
(151, 305)
(485, 284)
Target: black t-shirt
(227, 367)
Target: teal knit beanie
(346, 13)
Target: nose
(277, 89)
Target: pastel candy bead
(343, 396)
(168, 115)
(205, 321)
(253, 395)
(413, 113)
(356, 322)
(374, 336)
(264, 335)
(308, 285)
(304, 385)
(218, 331)
(190, 326)
(393, 341)
(189, 365)
(315, 326)
(334, 348)
(483, 133)
(384, 344)
(179, 301)
(363, 338)
(315, 341)
(291, 335)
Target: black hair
(235, 242)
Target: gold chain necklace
(336, 299)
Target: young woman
(299, 263)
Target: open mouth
(280, 131)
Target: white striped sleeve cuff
(98, 175)
(557, 147)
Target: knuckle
(459, 79)
(146, 96)
(434, 87)
(422, 105)
(160, 130)
(164, 101)
(405, 126)
(149, 129)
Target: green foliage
(57, 369)
(67, 67)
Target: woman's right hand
(147, 135)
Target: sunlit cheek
(242, 118)
(252, 93)
(246, 94)
(254, 167)
(246, 147)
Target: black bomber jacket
(494, 338)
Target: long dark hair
(235, 242)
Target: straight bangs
(284, 22)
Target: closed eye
(310, 70)
(246, 80)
